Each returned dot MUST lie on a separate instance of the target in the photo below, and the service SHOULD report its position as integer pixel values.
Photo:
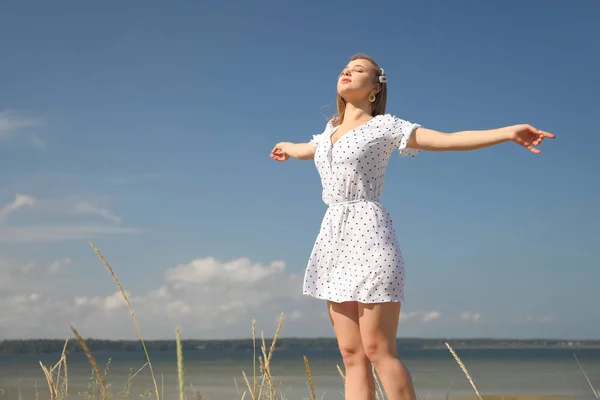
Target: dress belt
(347, 202)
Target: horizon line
(314, 338)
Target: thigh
(379, 326)
(345, 321)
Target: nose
(346, 73)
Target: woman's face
(357, 80)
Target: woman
(356, 264)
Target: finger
(533, 150)
(541, 132)
(547, 134)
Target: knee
(353, 355)
(377, 351)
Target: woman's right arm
(300, 151)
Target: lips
(345, 80)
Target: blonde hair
(380, 98)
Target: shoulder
(327, 131)
(391, 120)
(396, 125)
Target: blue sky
(146, 128)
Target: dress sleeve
(401, 131)
(316, 139)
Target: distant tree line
(50, 346)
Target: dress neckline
(331, 143)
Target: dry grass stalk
(266, 372)
(268, 357)
(237, 388)
(448, 392)
(180, 376)
(341, 373)
(464, 369)
(134, 375)
(50, 381)
(586, 377)
(379, 393)
(61, 361)
(54, 387)
(248, 384)
(253, 391)
(64, 358)
(92, 361)
(49, 373)
(277, 331)
(110, 270)
(271, 391)
(258, 395)
(265, 366)
(262, 382)
(310, 382)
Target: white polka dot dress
(356, 256)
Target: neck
(358, 111)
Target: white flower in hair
(382, 77)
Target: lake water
(535, 371)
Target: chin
(350, 95)
(346, 91)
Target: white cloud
(57, 231)
(206, 298)
(35, 315)
(58, 265)
(13, 271)
(30, 234)
(208, 270)
(422, 316)
(20, 276)
(86, 208)
(108, 303)
(470, 316)
(13, 124)
(27, 267)
(20, 201)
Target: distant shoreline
(41, 346)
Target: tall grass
(262, 386)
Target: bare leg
(359, 383)
(378, 328)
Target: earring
(372, 97)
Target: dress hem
(349, 299)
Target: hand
(528, 136)
(279, 152)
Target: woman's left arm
(523, 134)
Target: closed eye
(356, 69)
